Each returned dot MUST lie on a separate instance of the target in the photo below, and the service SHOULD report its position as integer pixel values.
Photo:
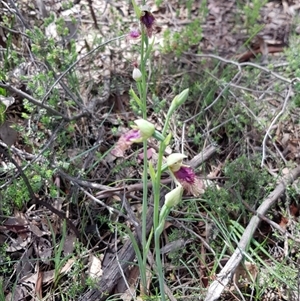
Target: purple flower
(125, 141)
(147, 20)
(185, 175)
(189, 180)
(142, 131)
(134, 34)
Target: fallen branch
(223, 278)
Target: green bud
(146, 128)
(179, 99)
(174, 196)
(168, 139)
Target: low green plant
(59, 258)
(248, 179)
(189, 35)
(179, 42)
(6, 263)
(2, 296)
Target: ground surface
(65, 197)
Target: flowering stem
(142, 87)
(157, 226)
(147, 19)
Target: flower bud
(174, 196)
(145, 127)
(181, 98)
(158, 135)
(178, 100)
(136, 74)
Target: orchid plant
(183, 175)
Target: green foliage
(252, 13)
(11, 57)
(190, 35)
(70, 285)
(245, 181)
(293, 68)
(248, 179)
(6, 264)
(159, 105)
(178, 42)
(134, 107)
(17, 194)
(3, 91)
(2, 296)
(119, 168)
(2, 112)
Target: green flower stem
(158, 231)
(165, 210)
(143, 107)
(156, 224)
(145, 208)
(142, 87)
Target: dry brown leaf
(95, 266)
(132, 280)
(128, 295)
(45, 249)
(7, 101)
(48, 276)
(245, 274)
(36, 231)
(30, 279)
(18, 244)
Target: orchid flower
(140, 132)
(185, 175)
